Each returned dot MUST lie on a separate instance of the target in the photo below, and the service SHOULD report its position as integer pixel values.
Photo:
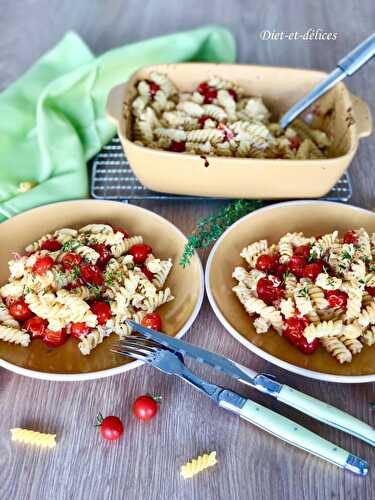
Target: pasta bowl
(66, 362)
(312, 218)
(348, 119)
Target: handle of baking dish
(115, 103)
(362, 116)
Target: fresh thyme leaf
(325, 269)
(76, 272)
(286, 275)
(93, 241)
(70, 245)
(372, 268)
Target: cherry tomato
(177, 147)
(43, 265)
(308, 347)
(139, 253)
(210, 95)
(75, 284)
(79, 330)
(266, 263)
(55, 338)
(370, 290)
(36, 327)
(152, 320)
(312, 270)
(10, 300)
(101, 310)
(233, 93)
(269, 291)
(149, 275)
(296, 265)
(51, 245)
(71, 260)
(281, 270)
(145, 407)
(20, 310)
(92, 274)
(351, 237)
(154, 87)
(111, 428)
(337, 298)
(104, 253)
(121, 230)
(202, 88)
(202, 120)
(303, 251)
(294, 328)
(294, 142)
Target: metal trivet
(113, 179)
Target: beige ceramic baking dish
(179, 173)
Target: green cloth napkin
(52, 120)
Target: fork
(172, 363)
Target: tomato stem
(99, 420)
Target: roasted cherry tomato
(92, 274)
(149, 275)
(101, 310)
(71, 260)
(51, 245)
(177, 147)
(104, 253)
(139, 253)
(281, 270)
(43, 264)
(111, 428)
(294, 328)
(145, 407)
(370, 290)
(303, 251)
(55, 338)
(121, 230)
(210, 95)
(20, 310)
(79, 330)
(337, 298)
(307, 347)
(312, 270)
(152, 320)
(202, 88)
(154, 87)
(36, 327)
(233, 93)
(266, 263)
(297, 265)
(75, 284)
(351, 237)
(294, 142)
(269, 290)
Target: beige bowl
(311, 217)
(243, 177)
(66, 362)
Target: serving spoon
(347, 66)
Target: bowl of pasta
(295, 283)
(213, 130)
(71, 273)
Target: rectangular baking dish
(181, 173)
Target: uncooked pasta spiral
(14, 335)
(198, 464)
(34, 438)
(337, 348)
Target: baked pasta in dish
(315, 291)
(82, 284)
(217, 119)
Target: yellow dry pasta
(27, 436)
(198, 464)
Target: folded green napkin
(52, 120)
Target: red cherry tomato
(104, 253)
(43, 265)
(202, 120)
(71, 260)
(51, 245)
(111, 428)
(177, 147)
(101, 310)
(307, 347)
(149, 275)
(145, 407)
(296, 265)
(75, 284)
(233, 93)
(121, 230)
(294, 328)
(92, 274)
(55, 338)
(36, 327)
(351, 237)
(154, 87)
(266, 263)
(269, 291)
(79, 330)
(312, 270)
(337, 298)
(139, 253)
(294, 142)
(210, 95)
(20, 310)
(152, 320)
(202, 88)
(281, 270)
(303, 251)
(370, 290)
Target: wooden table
(145, 463)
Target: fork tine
(141, 345)
(128, 354)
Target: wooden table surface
(145, 463)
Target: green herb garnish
(70, 245)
